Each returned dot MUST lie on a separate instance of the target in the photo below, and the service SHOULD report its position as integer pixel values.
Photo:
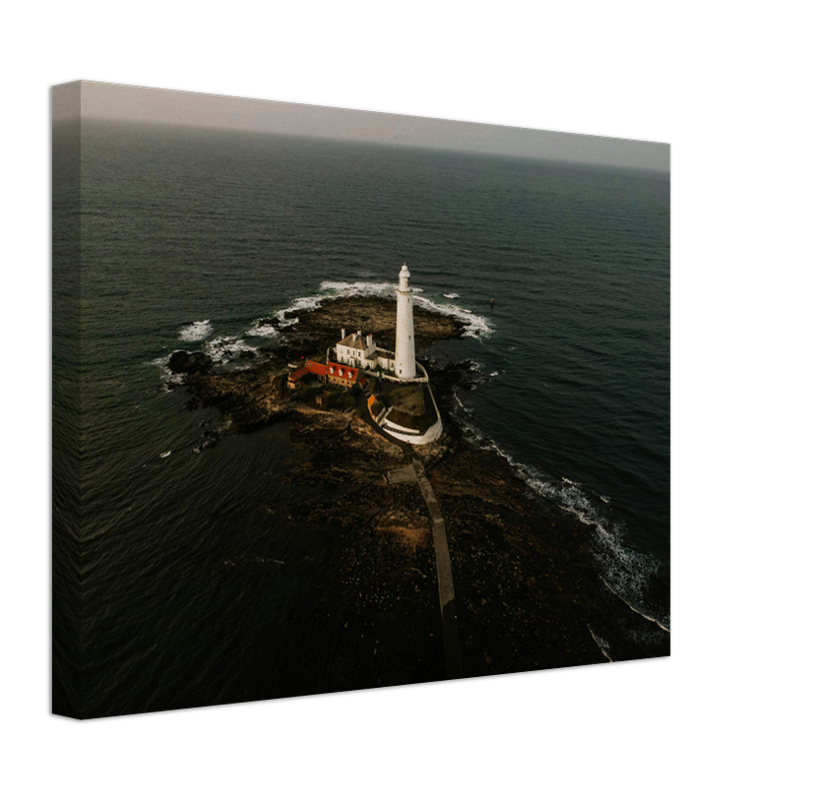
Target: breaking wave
(358, 289)
(300, 304)
(223, 349)
(226, 348)
(602, 644)
(263, 330)
(195, 331)
(626, 572)
(474, 325)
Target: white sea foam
(601, 643)
(357, 289)
(195, 331)
(623, 570)
(471, 433)
(165, 453)
(171, 380)
(285, 316)
(226, 348)
(624, 574)
(265, 330)
(303, 304)
(467, 409)
(474, 325)
(451, 296)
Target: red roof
(295, 376)
(333, 369)
(317, 369)
(342, 371)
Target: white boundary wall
(430, 435)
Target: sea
(189, 237)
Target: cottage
(332, 372)
(362, 352)
(341, 374)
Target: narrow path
(444, 574)
(444, 570)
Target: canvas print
(347, 400)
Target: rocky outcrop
(255, 395)
(247, 399)
(319, 329)
(528, 592)
(183, 363)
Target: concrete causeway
(444, 574)
(444, 570)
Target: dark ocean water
(190, 236)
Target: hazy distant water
(221, 229)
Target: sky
(137, 104)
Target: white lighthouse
(405, 349)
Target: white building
(358, 351)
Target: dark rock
(320, 328)
(183, 363)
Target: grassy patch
(420, 420)
(409, 399)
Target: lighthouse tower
(405, 350)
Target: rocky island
(527, 589)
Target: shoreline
(528, 592)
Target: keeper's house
(362, 353)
